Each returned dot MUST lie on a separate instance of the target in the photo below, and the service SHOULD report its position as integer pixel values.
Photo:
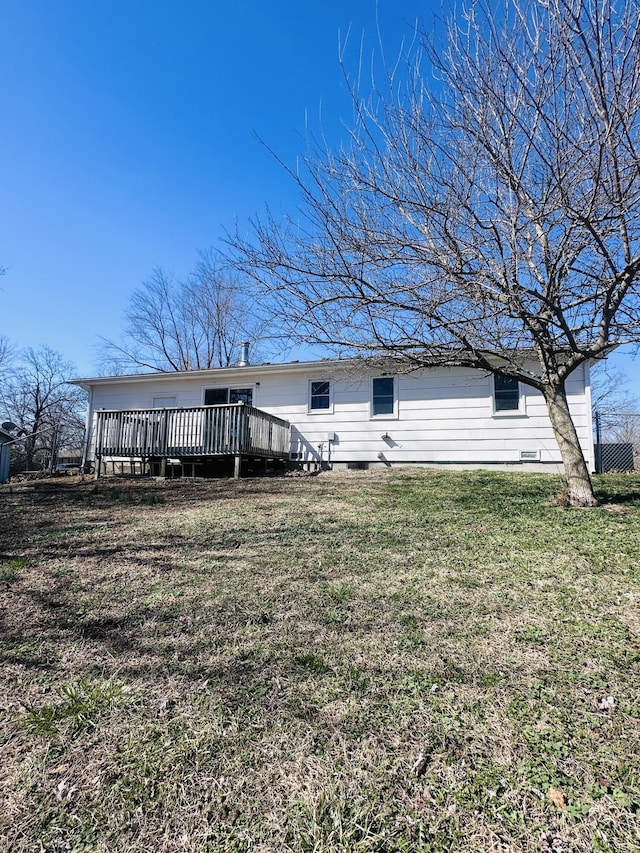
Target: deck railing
(200, 431)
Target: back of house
(331, 413)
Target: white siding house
(346, 413)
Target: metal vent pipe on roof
(244, 354)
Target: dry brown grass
(398, 661)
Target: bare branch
(488, 201)
(185, 325)
(37, 398)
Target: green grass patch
(78, 706)
(11, 570)
(393, 661)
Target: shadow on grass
(55, 622)
(617, 489)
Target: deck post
(165, 437)
(98, 453)
(236, 467)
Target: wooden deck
(202, 433)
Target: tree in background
(36, 398)
(486, 212)
(609, 392)
(186, 325)
(6, 353)
(617, 412)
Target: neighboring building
(5, 454)
(342, 413)
(68, 458)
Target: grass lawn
(395, 661)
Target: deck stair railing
(200, 431)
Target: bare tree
(37, 398)
(187, 325)
(616, 410)
(624, 429)
(609, 391)
(6, 353)
(486, 211)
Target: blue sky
(127, 140)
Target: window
(216, 396)
(222, 396)
(241, 395)
(320, 395)
(506, 394)
(383, 396)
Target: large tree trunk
(575, 467)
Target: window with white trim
(506, 394)
(223, 396)
(320, 395)
(164, 402)
(383, 396)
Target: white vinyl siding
(442, 415)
